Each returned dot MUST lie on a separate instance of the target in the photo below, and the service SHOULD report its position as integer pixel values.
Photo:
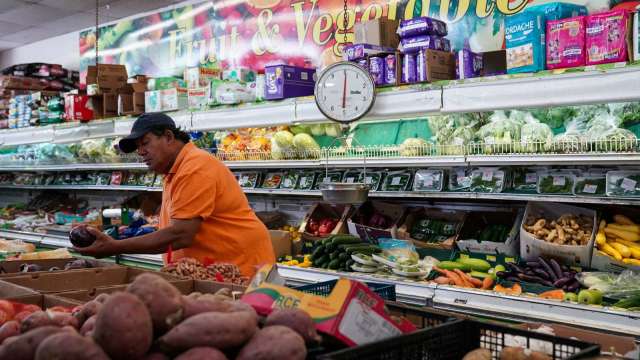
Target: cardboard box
(394, 212)
(381, 32)
(105, 105)
(494, 63)
(78, 107)
(324, 210)
(84, 279)
(531, 247)
(48, 301)
(198, 76)
(281, 241)
(109, 78)
(131, 104)
(434, 65)
(186, 287)
(352, 313)
(415, 214)
(285, 81)
(478, 220)
(12, 267)
(22, 83)
(11, 291)
(604, 262)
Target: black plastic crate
(421, 317)
(385, 291)
(453, 340)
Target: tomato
(7, 308)
(59, 309)
(19, 317)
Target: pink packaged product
(565, 43)
(606, 37)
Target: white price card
(487, 175)
(350, 180)
(244, 180)
(559, 180)
(303, 180)
(326, 180)
(590, 188)
(531, 178)
(287, 183)
(428, 181)
(368, 180)
(396, 181)
(628, 184)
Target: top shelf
(610, 83)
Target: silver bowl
(345, 193)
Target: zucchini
(327, 240)
(345, 239)
(367, 250)
(321, 261)
(344, 256)
(330, 247)
(334, 255)
(334, 264)
(317, 253)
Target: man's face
(154, 151)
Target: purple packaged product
(284, 81)
(422, 26)
(390, 69)
(363, 63)
(409, 68)
(376, 69)
(360, 51)
(468, 64)
(414, 44)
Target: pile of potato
(190, 268)
(507, 353)
(568, 229)
(153, 320)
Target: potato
(9, 329)
(87, 310)
(274, 342)
(69, 346)
(517, 353)
(195, 306)
(297, 320)
(35, 320)
(163, 300)
(478, 354)
(237, 306)
(88, 326)
(123, 327)
(101, 298)
(64, 319)
(218, 330)
(199, 353)
(23, 347)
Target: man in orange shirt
(204, 214)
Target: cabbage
(300, 129)
(535, 136)
(317, 130)
(277, 153)
(333, 130)
(413, 147)
(501, 132)
(283, 139)
(305, 144)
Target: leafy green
(556, 183)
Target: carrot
(443, 280)
(466, 278)
(487, 283)
(451, 275)
(552, 294)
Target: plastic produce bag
(500, 133)
(573, 139)
(402, 252)
(605, 134)
(622, 286)
(535, 136)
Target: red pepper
(313, 226)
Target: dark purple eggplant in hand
(81, 237)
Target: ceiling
(26, 21)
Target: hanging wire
(345, 22)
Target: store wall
(61, 50)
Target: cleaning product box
(351, 312)
(608, 37)
(284, 81)
(566, 43)
(525, 42)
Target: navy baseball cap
(143, 124)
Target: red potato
(123, 327)
(156, 356)
(195, 306)
(35, 320)
(218, 330)
(163, 300)
(88, 326)
(274, 342)
(64, 319)
(199, 353)
(86, 311)
(23, 347)
(7, 308)
(297, 320)
(69, 346)
(9, 329)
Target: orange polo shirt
(199, 185)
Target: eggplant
(30, 267)
(548, 269)
(80, 237)
(513, 278)
(556, 268)
(543, 274)
(515, 268)
(533, 264)
(531, 279)
(562, 282)
(573, 287)
(546, 283)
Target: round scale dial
(345, 92)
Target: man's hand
(104, 245)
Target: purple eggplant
(81, 237)
(548, 269)
(533, 264)
(529, 278)
(515, 268)
(513, 278)
(562, 282)
(541, 273)
(573, 287)
(546, 283)
(556, 268)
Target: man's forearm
(153, 243)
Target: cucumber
(349, 263)
(345, 239)
(475, 264)
(344, 256)
(367, 250)
(334, 255)
(317, 253)
(453, 265)
(321, 261)
(334, 264)
(327, 240)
